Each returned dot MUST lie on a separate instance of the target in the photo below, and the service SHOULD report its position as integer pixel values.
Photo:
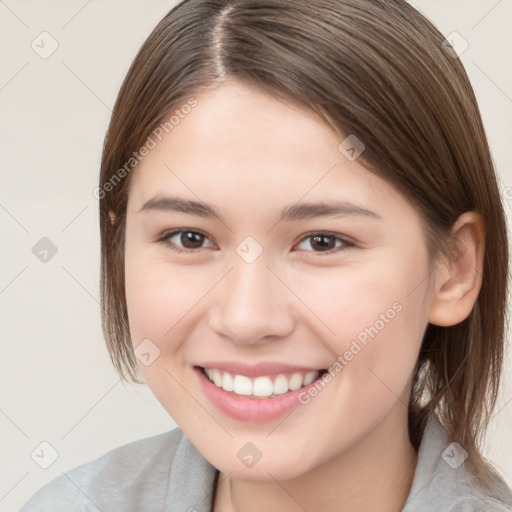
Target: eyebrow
(295, 212)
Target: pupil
(323, 242)
(189, 238)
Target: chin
(275, 468)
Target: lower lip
(251, 409)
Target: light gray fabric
(438, 486)
(166, 472)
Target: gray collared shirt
(166, 473)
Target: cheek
(166, 304)
(158, 296)
(163, 307)
(377, 317)
(366, 301)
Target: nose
(253, 304)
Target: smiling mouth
(263, 387)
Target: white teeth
(242, 385)
(261, 386)
(310, 377)
(227, 382)
(295, 381)
(217, 378)
(280, 385)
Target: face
(298, 277)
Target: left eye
(326, 242)
(188, 241)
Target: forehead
(240, 144)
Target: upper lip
(256, 370)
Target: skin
(249, 155)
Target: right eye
(184, 240)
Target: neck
(374, 474)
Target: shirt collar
(192, 480)
(433, 442)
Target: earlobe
(112, 216)
(458, 279)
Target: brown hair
(373, 68)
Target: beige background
(56, 381)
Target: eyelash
(165, 239)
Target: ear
(458, 279)
(112, 216)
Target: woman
(301, 232)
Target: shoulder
(134, 476)
(442, 482)
(457, 492)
